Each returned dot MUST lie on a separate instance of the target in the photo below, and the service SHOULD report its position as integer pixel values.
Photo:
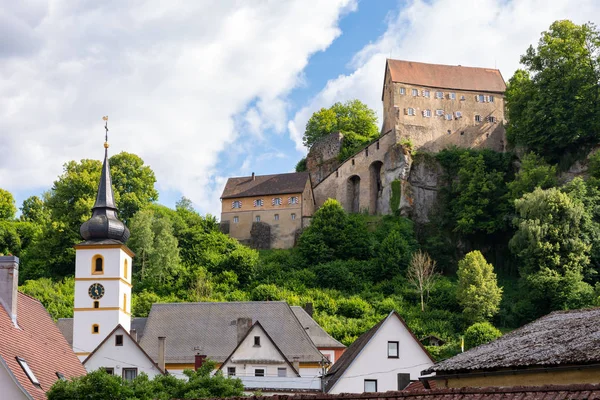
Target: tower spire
(104, 223)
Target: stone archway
(353, 194)
(376, 186)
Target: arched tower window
(125, 270)
(97, 265)
(95, 329)
(125, 302)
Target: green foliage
(553, 104)
(478, 292)
(57, 297)
(7, 205)
(356, 121)
(534, 173)
(301, 165)
(480, 333)
(34, 210)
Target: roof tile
(262, 185)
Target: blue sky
(203, 90)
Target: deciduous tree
(478, 292)
(421, 274)
(7, 205)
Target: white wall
(8, 386)
(118, 357)
(373, 363)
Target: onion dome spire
(104, 223)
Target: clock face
(96, 291)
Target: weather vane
(105, 119)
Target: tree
(478, 292)
(301, 165)
(553, 104)
(7, 205)
(356, 121)
(480, 333)
(57, 297)
(34, 210)
(535, 172)
(421, 274)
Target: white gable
(373, 363)
(128, 355)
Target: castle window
(96, 304)
(276, 217)
(452, 96)
(258, 203)
(458, 114)
(480, 98)
(449, 132)
(337, 173)
(462, 133)
(353, 161)
(425, 93)
(367, 152)
(97, 265)
(491, 119)
(402, 90)
(236, 220)
(125, 269)
(427, 113)
(293, 200)
(95, 329)
(257, 218)
(448, 117)
(415, 92)
(236, 204)
(462, 97)
(490, 99)
(439, 95)
(293, 216)
(377, 146)
(410, 111)
(118, 340)
(439, 113)
(478, 118)
(276, 201)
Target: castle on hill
(426, 107)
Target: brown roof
(446, 76)
(262, 185)
(559, 338)
(39, 342)
(562, 392)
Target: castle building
(267, 211)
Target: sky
(204, 90)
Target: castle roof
(262, 185)
(455, 77)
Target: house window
(259, 372)
(96, 304)
(257, 218)
(439, 113)
(427, 113)
(230, 371)
(129, 374)
(236, 204)
(458, 114)
(28, 371)
(370, 385)
(294, 199)
(480, 98)
(257, 341)
(410, 111)
(293, 217)
(258, 203)
(448, 117)
(491, 118)
(439, 95)
(415, 92)
(110, 371)
(276, 201)
(425, 93)
(276, 217)
(282, 372)
(95, 329)
(402, 90)
(97, 265)
(125, 269)
(477, 118)
(392, 350)
(452, 96)
(118, 340)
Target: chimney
(133, 334)
(9, 281)
(199, 361)
(253, 177)
(243, 326)
(161, 352)
(308, 307)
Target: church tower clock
(102, 272)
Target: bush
(354, 307)
(480, 333)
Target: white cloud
(479, 33)
(173, 76)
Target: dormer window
(28, 371)
(97, 265)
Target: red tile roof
(446, 76)
(263, 185)
(418, 385)
(39, 342)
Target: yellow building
(267, 211)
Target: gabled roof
(120, 327)
(65, 325)
(454, 77)
(257, 325)
(352, 352)
(38, 341)
(320, 338)
(559, 338)
(211, 328)
(263, 185)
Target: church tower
(102, 272)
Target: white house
(387, 357)
(120, 354)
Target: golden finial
(105, 119)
